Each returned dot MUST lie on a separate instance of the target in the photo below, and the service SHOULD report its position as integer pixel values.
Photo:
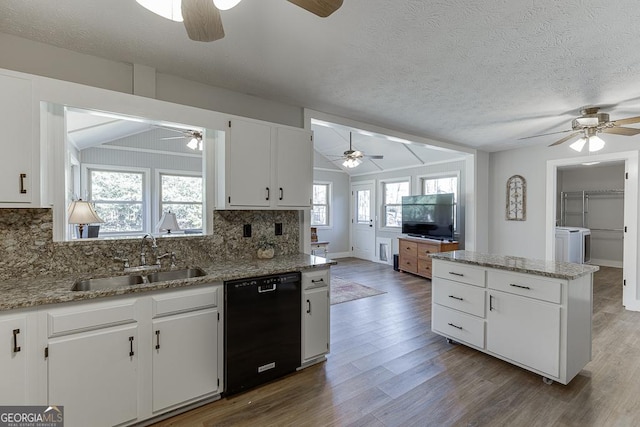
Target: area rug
(343, 290)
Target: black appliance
(429, 216)
(262, 330)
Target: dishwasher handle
(271, 287)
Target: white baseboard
(606, 263)
(333, 255)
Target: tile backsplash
(27, 248)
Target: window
(443, 184)
(320, 206)
(118, 197)
(392, 193)
(182, 195)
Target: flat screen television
(429, 216)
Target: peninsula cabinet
(315, 315)
(414, 256)
(16, 140)
(264, 166)
(531, 320)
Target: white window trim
(329, 205)
(450, 174)
(381, 210)
(146, 204)
(155, 206)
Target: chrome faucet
(154, 247)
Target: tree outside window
(392, 193)
(440, 185)
(320, 205)
(182, 195)
(118, 197)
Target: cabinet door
(13, 361)
(294, 163)
(525, 331)
(249, 165)
(316, 322)
(16, 140)
(94, 376)
(185, 357)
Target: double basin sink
(136, 279)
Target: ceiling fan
(202, 18)
(353, 158)
(193, 136)
(589, 124)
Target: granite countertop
(21, 293)
(558, 270)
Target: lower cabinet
(14, 350)
(315, 315)
(539, 323)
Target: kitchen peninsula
(532, 313)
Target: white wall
(338, 233)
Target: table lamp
(82, 213)
(168, 222)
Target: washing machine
(569, 244)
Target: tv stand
(414, 253)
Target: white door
(363, 233)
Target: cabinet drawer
(469, 299)
(408, 249)
(459, 272)
(424, 249)
(89, 316)
(315, 279)
(457, 325)
(408, 264)
(184, 300)
(425, 267)
(526, 285)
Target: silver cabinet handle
(519, 286)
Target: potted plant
(266, 248)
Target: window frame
(157, 196)
(439, 175)
(146, 202)
(329, 203)
(383, 204)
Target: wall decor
(516, 198)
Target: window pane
(189, 216)
(116, 186)
(320, 194)
(363, 206)
(319, 215)
(393, 215)
(181, 188)
(393, 192)
(119, 217)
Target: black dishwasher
(262, 329)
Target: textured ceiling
(480, 74)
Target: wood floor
(387, 368)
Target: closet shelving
(581, 199)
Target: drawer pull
(131, 353)
(455, 297)
(519, 286)
(158, 340)
(16, 348)
(456, 274)
(317, 281)
(23, 190)
(455, 326)
(490, 302)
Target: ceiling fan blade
(375, 156)
(322, 8)
(545, 134)
(627, 121)
(202, 20)
(621, 131)
(566, 138)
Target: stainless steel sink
(187, 273)
(106, 283)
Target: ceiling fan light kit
(351, 162)
(226, 4)
(169, 9)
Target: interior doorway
(363, 233)
(628, 218)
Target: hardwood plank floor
(387, 368)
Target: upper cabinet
(263, 166)
(16, 141)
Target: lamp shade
(82, 212)
(168, 222)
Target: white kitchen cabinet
(16, 140)
(263, 166)
(315, 315)
(14, 348)
(92, 357)
(186, 347)
(539, 323)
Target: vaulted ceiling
(479, 74)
